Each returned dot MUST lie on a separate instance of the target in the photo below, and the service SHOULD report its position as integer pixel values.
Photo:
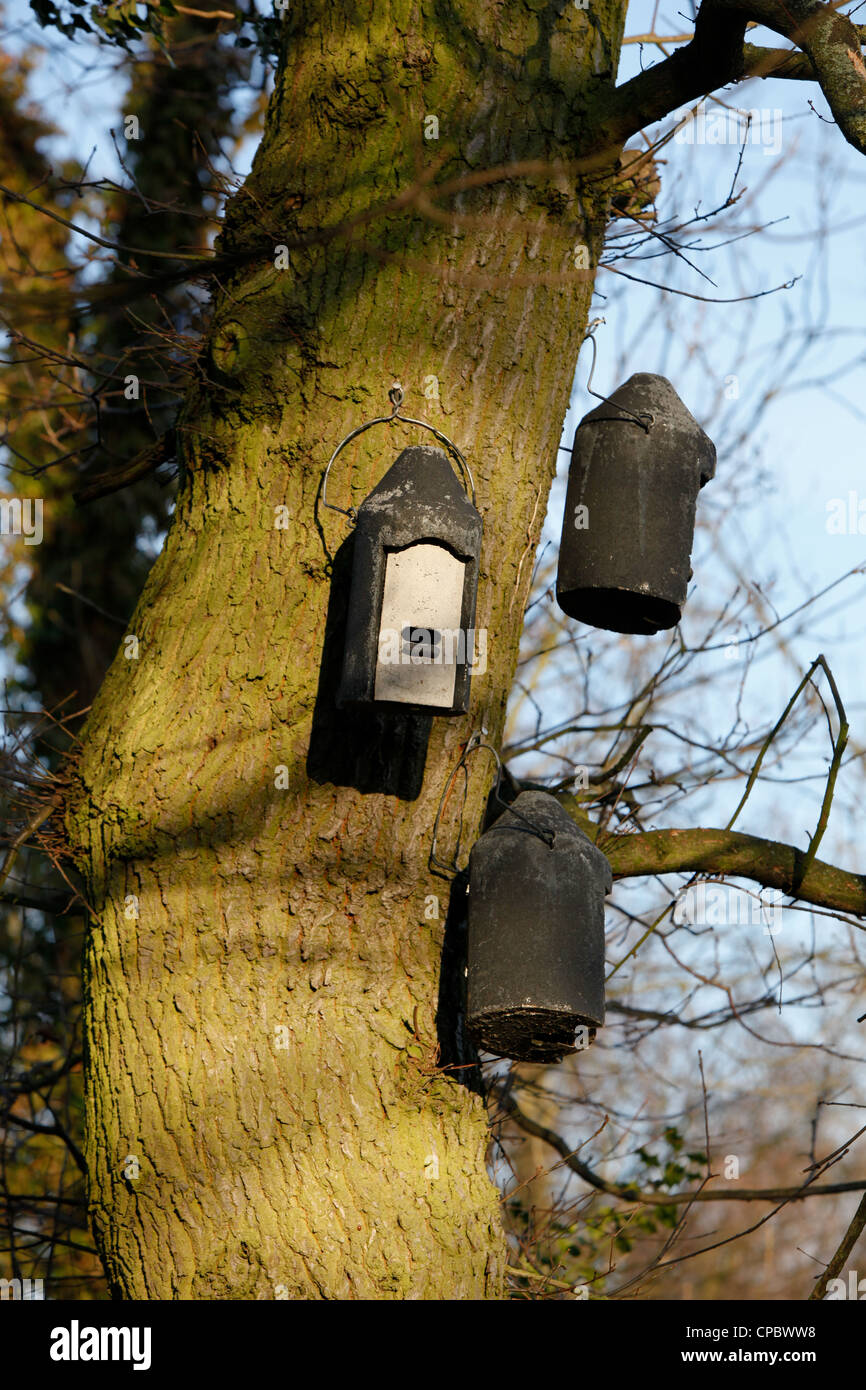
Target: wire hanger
(646, 418)
(475, 743)
(395, 396)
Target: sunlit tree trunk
(266, 1023)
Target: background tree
(94, 389)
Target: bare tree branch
(733, 853)
(829, 53)
(846, 1245)
(629, 1192)
(137, 467)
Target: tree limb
(768, 862)
(846, 1245)
(137, 467)
(712, 59)
(56, 1130)
(832, 44)
(777, 62)
(829, 52)
(39, 1078)
(730, 853)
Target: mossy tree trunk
(264, 1004)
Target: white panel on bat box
(422, 605)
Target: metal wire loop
(646, 418)
(395, 396)
(472, 746)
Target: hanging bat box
(410, 632)
(630, 509)
(535, 971)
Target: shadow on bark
(456, 1053)
(372, 750)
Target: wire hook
(395, 396)
(475, 742)
(648, 418)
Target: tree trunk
(268, 1114)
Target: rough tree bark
(280, 1103)
(264, 1004)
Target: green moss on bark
(333, 1166)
